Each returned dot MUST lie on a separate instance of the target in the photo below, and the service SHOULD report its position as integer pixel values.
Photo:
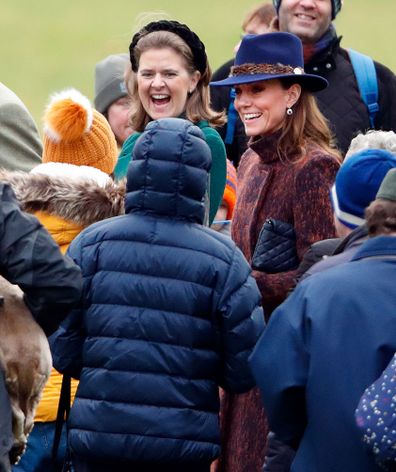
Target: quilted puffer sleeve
(376, 414)
(67, 342)
(241, 323)
(30, 258)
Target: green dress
(217, 173)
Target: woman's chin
(252, 131)
(162, 111)
(157, 114)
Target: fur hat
(75, 133)
(230, 189)
(109, 80)
(357, 183)
(335, 6)
(387, 190)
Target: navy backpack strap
(63, 413)
(232, 118)
(366, 77)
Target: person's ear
(194, 79)
(293, 94)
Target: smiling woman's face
(164, 83)
(262, 105)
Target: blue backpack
(231, 119)
(366, 77)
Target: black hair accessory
(183, 31)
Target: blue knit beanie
(336, 6)
(357, 183)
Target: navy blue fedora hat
(271, 56)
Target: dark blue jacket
(30, 258)
(171, 312)
(341, 101)
(323, 346)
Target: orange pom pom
(68, 116)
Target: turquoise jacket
(217, 173)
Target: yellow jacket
(63, 232)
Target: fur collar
(71, 171)
(82, 199)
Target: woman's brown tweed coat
(296, 192)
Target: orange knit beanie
(230, 189)
(75, 133)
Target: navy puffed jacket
(171, 312)
(31, 259)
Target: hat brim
(310, 82)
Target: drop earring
(289, 111)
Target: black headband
(183, 31)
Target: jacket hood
(168, 174)
(83, 199)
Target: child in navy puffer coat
(170, 314)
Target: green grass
(48, 45)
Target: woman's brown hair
(381, 217)
(306, 124)
(197, 104)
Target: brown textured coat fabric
(297, 193)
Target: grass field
(48, 45)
